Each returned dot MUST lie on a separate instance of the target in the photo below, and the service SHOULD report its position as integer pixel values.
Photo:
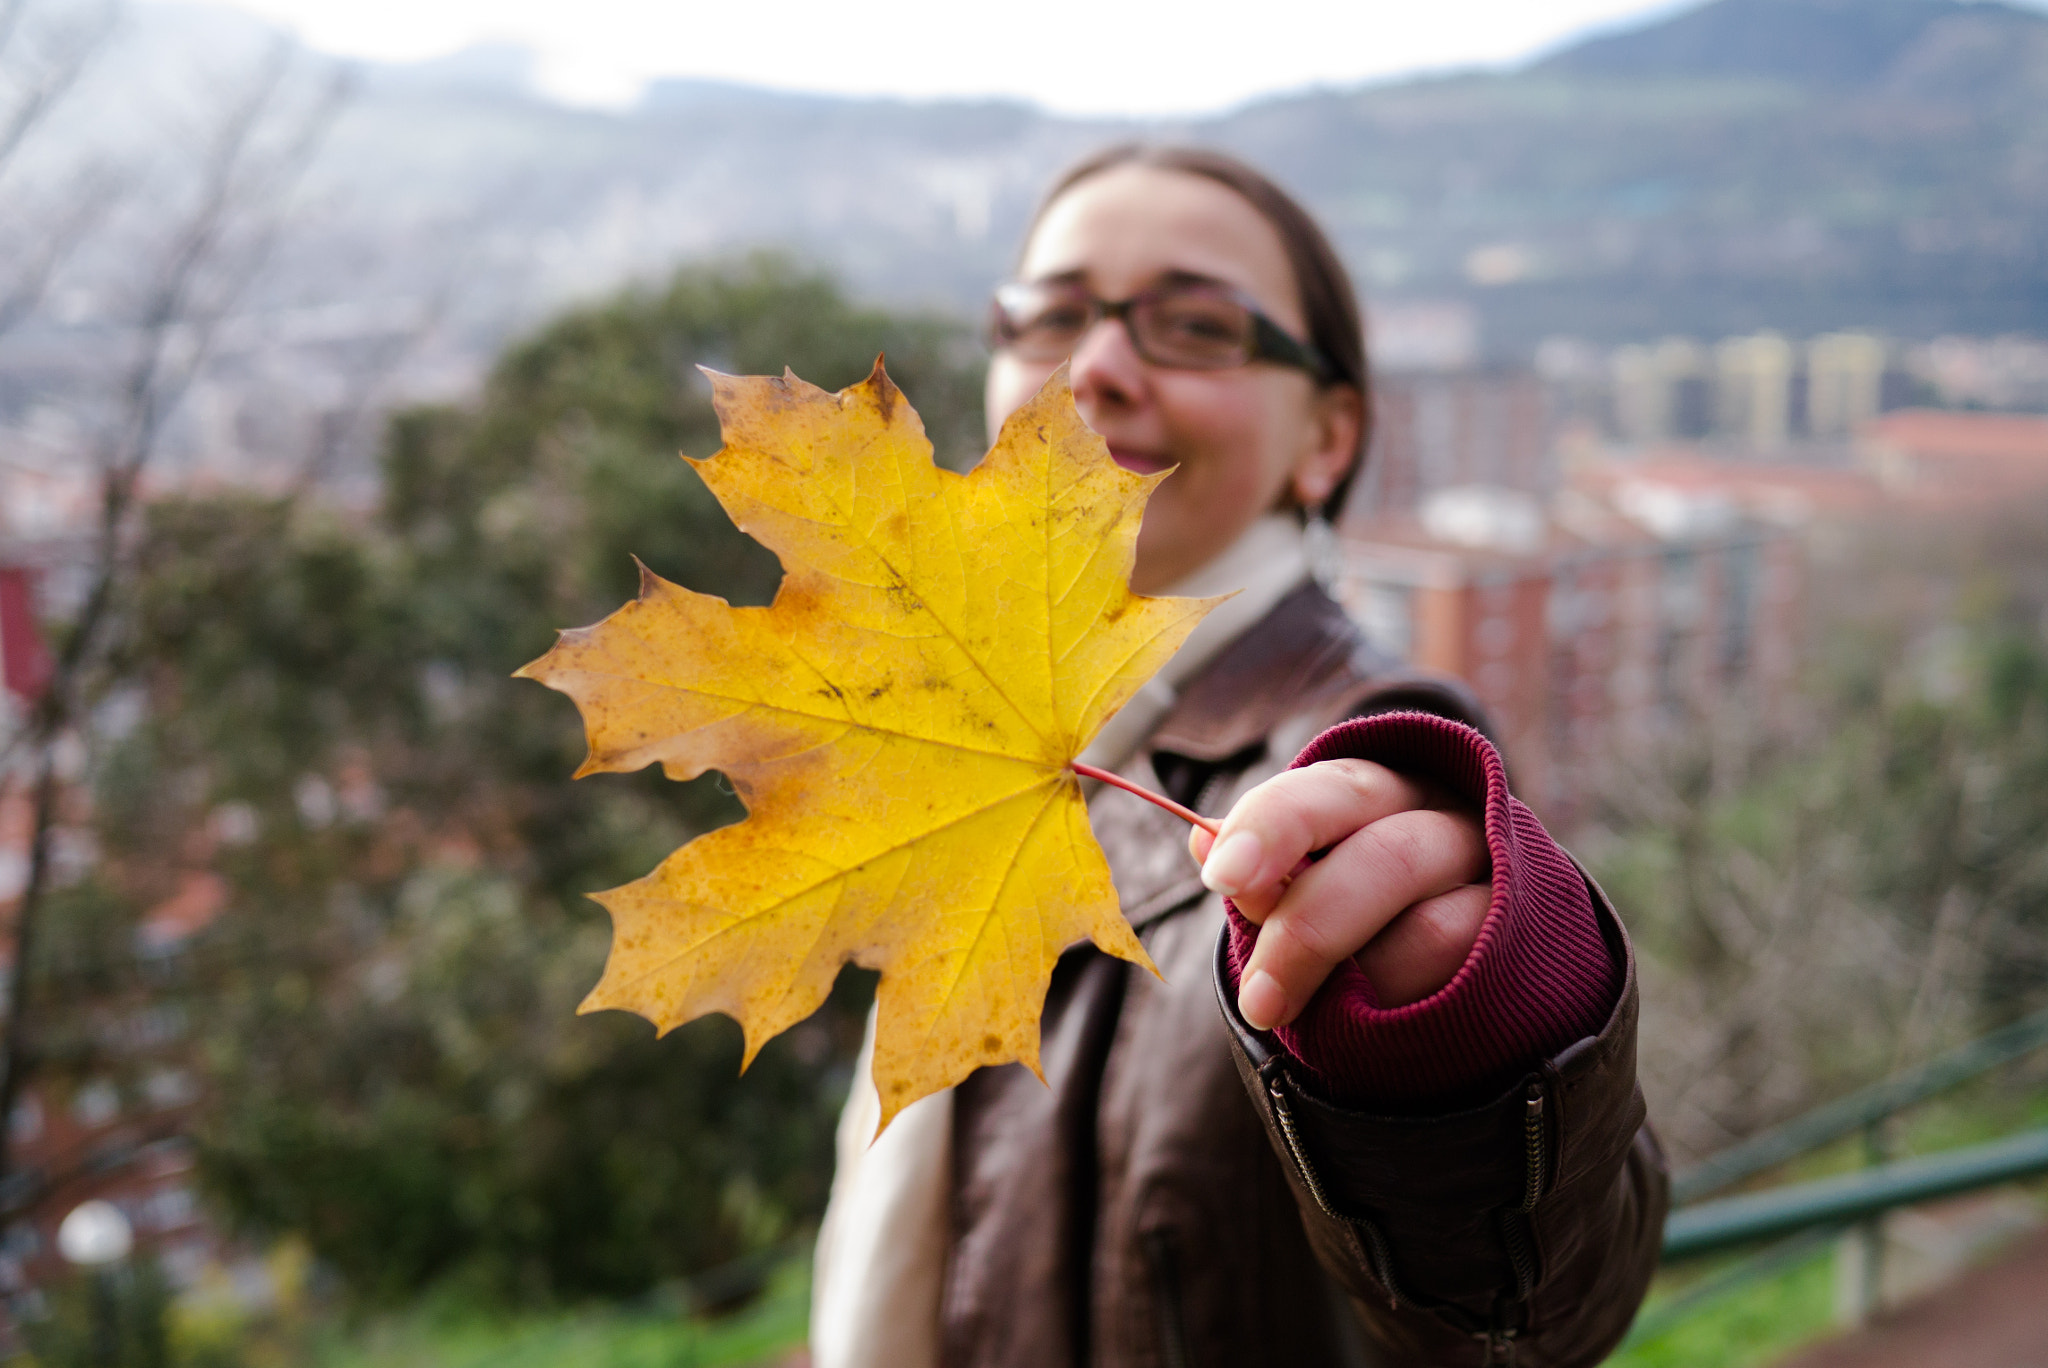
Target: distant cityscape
(1608, 543)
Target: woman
(1382, 1109)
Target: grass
(764, 1333)
(1753, 1324)
(1757, 1323)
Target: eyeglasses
(1181, 325)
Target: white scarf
(881, 1258)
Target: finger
(1338, 905)
(1277, 824)
(1201, 841)
(1425, 945)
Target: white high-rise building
(1844, 382)
(1753, 390)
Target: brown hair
(1328, 303)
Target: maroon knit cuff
(1539, 977)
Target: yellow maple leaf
(899, 723)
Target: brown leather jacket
(1176, 1198)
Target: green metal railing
(1860, 1110)
(1802, 1218)
(1696, 1228)
(1710, 1227)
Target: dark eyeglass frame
(1268, 341)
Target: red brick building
(1439, 430)
(1931, 455)
(1590, 640)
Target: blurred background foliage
(310, 721)
(108, 1317)
(319, 714)
(1821, 904)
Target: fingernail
(1260, 1001)
(1232, 863)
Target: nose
(1105, 370)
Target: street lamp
(96, 1236)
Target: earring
(1319, 542)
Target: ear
(1339, 419)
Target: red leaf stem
(1158, 800)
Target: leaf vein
(838, 874)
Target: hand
(1404, 888)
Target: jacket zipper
(1515, 1227)
(1375, 1244)
(1521, 1246)
(1173, 1326)
(1532, 1146)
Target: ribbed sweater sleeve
(1539, 977)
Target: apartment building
(1588, 634)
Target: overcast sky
(1075, 56)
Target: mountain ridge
(1898, 185)
(1807, 42)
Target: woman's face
(1244, 439)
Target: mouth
(1138, 462)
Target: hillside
(1804, 164)
(1837, 43)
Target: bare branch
(94, 194)
(11, 12)
(205, 268)
(361, 400)
(45, 89)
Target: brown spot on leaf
(886, 393)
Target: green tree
(385, 1007)
(108, 1318)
